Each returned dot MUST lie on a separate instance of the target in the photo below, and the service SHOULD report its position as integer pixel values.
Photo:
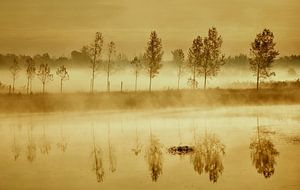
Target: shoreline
(104, 101)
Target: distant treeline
(78, 58)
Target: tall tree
(213, 59)
(195, 58)
(14, 69)
(44, 75)
(95, 50)
(153, 56)
(111, 55)
(178, 59)
(205, 55)
(63, 75)
(262, 55)
(137, 64)
(30, 71)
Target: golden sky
(60, 26)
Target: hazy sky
(60, 26)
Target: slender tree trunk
(43, 87)
(92, 82)
(30, 85)
(257, 78)
(61, 87)
(194, 78)
(13, 86)
(178, 81)
(150, 81)
(108, 73)
(27, 89)
(135, 85)
(93, 72)
(205, 80)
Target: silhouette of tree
(30, 71)
(263, 153)
(153, 56)
(195, 59)
(213, 59)
(207, 156)
(95, 53)
(97, 162)
(178, 59)
(63, 75)
(44, 75)
(14, 69)
(262, 55)
(154, 157)
(138, 65)
(111, 55)
(205, 56)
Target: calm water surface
(229, 148)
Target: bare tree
(30, 71)
(95, 53)
(63, 75)
(178, 59)
(137, 64)
(44, 75)
(111, 54)
(195, 58)
(14, 69)
(262, 55)
(153, 56)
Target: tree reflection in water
(63, 143)
(154, 157)
(138, 145)
(111, 154)
(31, 146)
(207, 156)
(97, 159)
(263, 152)
(45, 146)
(16, 148)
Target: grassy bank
(140, 100)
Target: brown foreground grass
(145, 100)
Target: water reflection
(16, 148)
(63, 143)
(138, 145)
(45, 146)
(31, 146)
(207, 156)
(111, 154)
(97, 159)
(263, 152)
(154, 157)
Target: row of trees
(43, 72)
(204, 58)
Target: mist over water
(117, 149)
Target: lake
(251, 147)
